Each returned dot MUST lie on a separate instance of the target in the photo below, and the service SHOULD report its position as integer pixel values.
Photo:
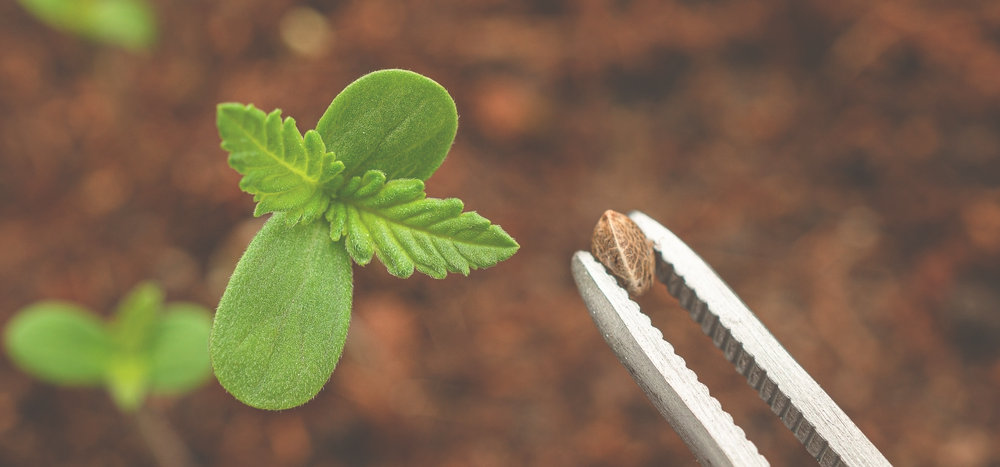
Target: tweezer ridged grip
(744, 363)
(822, 427)
(671, 386)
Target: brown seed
(620, 245)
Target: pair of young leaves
(350, 189)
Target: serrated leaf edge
(319, 174)
(368, 231)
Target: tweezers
(817, 422)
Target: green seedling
(127, 23)
(147, 347)
(351, 189)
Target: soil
(836, 162)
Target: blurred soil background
(836, 162)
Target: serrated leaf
(60, 343)
(365, 185)
(284, 171)
(409, 231)
(394, 121)
(178, 349)
(282, 321)
(336, 215)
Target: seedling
(147, 347)
(351, 189)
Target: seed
(620, 245)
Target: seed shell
(620, 245)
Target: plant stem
(166, 445)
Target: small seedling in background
(351, 189)
(126, 23)
(147, 347)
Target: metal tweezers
(822, 427)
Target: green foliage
(284, 171)
(135, 317)
(396, 221)
(351, 189)
(60, 343)
(146, 347)
(282, 321)
(394, 121)
(127, 23)
(178, 347)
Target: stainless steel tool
(822, 427)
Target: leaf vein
(262, 147)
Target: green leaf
(127, 23)
(60, 343)
(409, 231)
(282, 321)
(284, 171)
(137, 314)
(127, 379)
(178, 349)
(394, 121)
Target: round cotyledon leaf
(282, 321)
(60, 343)
(178, 351)
(395, 121)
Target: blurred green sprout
(126, 23)
(147, 347)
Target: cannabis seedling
(148, 347)
(351, 189)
